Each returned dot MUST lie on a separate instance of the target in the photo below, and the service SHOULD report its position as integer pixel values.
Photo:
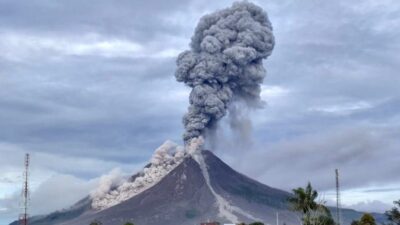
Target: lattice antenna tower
(23, 219)
(338, 204)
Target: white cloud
(20, 47)
(58, 192)
(342, 109)
(367, 199)
(370, 206)
(269, 92)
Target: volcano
(190, 195)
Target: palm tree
(322, 216)
(304, 201)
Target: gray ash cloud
(224, 64)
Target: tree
(355, 222)
(393, 215)
(256, 223)
(367, 219)
(96, 222)
(322, 216)
(304, 201)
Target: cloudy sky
(88, 86)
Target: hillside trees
(96, 222)
(256, 223)
(393, 215)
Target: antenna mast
(338, 206)
(23, 219)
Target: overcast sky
(88, 86)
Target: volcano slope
(186, 197)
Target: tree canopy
(367, 219)
(256, 223)
(304, 201)
(393, 215)
(96, 222)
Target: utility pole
(338, 206)
(23, 219)
(277, 218)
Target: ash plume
(113, 189)
(224, 65)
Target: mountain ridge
(184, 197)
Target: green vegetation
(257, 223)
(313, 213)
(129, 223)
(366, 219)
(96, 222)
(393, 215)
(322, 216)
(304, 199)
(191, 213)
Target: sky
(89, 86)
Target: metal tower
(338, 206)
(23, 219)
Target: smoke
(240, 124)
(113, 190)
(194, 145)
(167, 152)
(224, 65)
(107, 182)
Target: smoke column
(224, 65)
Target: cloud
(370, 206)
(69, 187)
(382, 190)
(314, 158)
(6, 180)
(344, 109)
(49, 191)
(20, 47)
(127, 18)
